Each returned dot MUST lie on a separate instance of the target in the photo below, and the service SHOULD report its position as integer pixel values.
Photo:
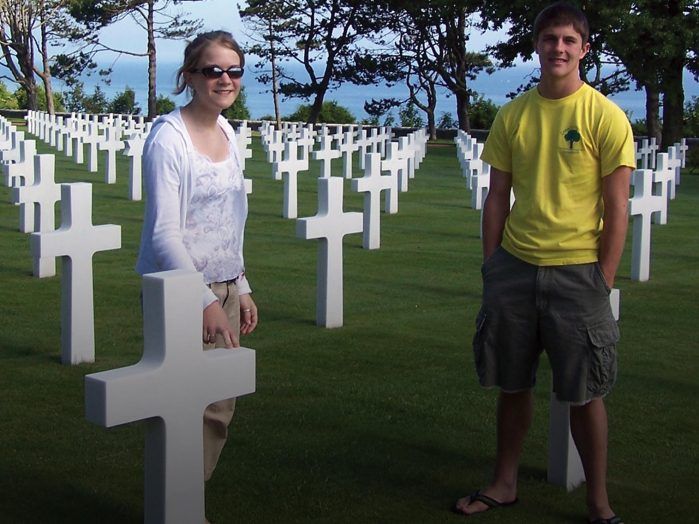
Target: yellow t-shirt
(558, 151)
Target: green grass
(379, 421)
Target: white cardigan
(168, 155)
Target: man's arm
(615, 194)
(495, 210)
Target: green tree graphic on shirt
(572, 136)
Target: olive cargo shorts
(563, 310)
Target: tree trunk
(151, 62)
(653, 112)
(673, 103)
(462, 103)
(316, 108)
(275, 79)
(46, 73)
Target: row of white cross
(174, 489)
(653, 188)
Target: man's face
(560, 49)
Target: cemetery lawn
(379, 421)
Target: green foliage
(482, 112)
(79, 101)
(410, 116)
(239, 110)
(164, 105)
(124, 103)
(8, 100)
(446, 121)
(23, 103)
(639, 127)
(691, 118)
(330, 113)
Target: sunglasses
(233, 72)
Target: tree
(267, 22)
(409, 117)
(124, 103)
(648, 41)
(331, 113)
(164, 105)
(17, 22)
(572, 136)
(41, 99)
(432, 49)
(656, 41)
(239, 110)
(7, 99)
(153, 15)
(324, 38)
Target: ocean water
(134, 74)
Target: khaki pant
(218, 415)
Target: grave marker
(371, 184)
(329, 226)
(111, 144)
(641, 206)
(326, 154)
(134, 149)
(40, 199)
(76, 241)
(170, 388)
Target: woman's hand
(216, 323)
(248, 314)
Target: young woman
(196, 205)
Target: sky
(215, 14)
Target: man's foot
(611, 520)
(478, 503)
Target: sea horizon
(495, 87)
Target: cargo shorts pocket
(602, 367)
(479, 345)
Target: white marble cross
(397, 166)
(275, 148)
(371, 184)
(288, 169)
(664, 185)
(40, 199)
(347, 147)
(326, 154)
(22, 171)
(362, 143)
(111, 144)
(170, 388)
(682, 149)
(92, 138)
(408, 151)
(11, 154)
(564, 465)
(480, 183)
(674, 163)
(134, 149)
(76, 241)
(330, 226)
(305, 142)
(243, 137)
(641, 206)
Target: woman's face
(215, 93)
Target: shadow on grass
(31, 497)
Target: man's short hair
(562, 13)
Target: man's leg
(588, 424)
(514, 416)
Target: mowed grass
(381, 420)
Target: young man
(550, 261)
